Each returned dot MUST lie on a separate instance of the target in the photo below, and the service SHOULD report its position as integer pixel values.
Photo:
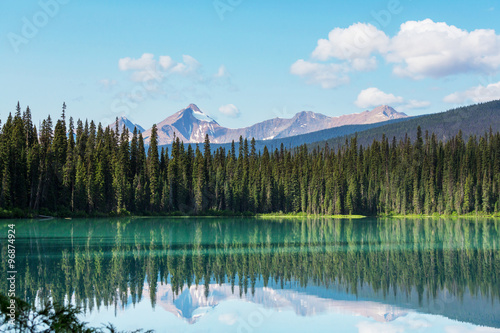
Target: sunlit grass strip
(439, 216)
(301, 215)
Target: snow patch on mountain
(200, 115)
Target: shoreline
(5, 214)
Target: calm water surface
(258, 275)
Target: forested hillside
(471, 120)
(99, 171)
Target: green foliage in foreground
(52, 317)
(99, 172)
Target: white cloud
(373, 97)
(190, 66)
(420, 49)
(435, 49)
(359, 41)
(144, 62)
(230, 110)
(147, 68)
(477, 94)
(353, 46)
(326, 75)
(364, 65)
(166, 62)
(352, 49)
(144, 69)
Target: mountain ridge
(191, 125)
(471, 120)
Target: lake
(264, 275)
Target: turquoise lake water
(263, 275)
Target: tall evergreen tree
(154, 170)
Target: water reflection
(378, 268)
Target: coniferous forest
(100, 170)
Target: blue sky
(244, 61)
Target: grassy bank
(440, 216)
(298, 215)
(18, 213)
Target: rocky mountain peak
(387, 111)
(193, 107)
(192, 111)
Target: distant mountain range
(315, 129)
(191, 125)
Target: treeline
(97, 170)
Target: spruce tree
(154, 170)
